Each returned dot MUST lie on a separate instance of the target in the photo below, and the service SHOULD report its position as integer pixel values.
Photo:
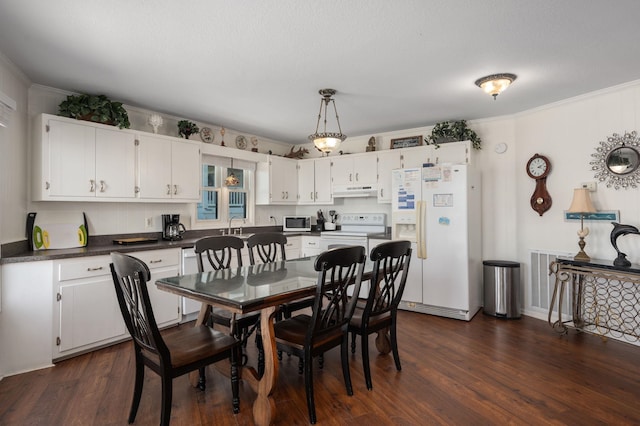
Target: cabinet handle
(350, 177)
(316, 196)
(311, 195)
(357, 177)
(102, 185)
(381, 192)
(175, 189)
(168, 189)
(46, 185)
(287, 192)
(155, 261)
(99, 268)
(92, 188)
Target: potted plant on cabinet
(452, 131)
(186, 128)
(96, 108)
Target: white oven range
(354, 231)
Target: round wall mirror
(623, 160)
(617, 161)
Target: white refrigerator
(438, 208)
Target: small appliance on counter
(172, 229)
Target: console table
(605, 299)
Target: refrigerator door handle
(420, 231)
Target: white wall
(13, 155)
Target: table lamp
(582, 204)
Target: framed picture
(406, 142)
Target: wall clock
(538, 168)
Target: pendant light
(231, 179)
(327, 141)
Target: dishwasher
(190, 307)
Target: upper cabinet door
(322, 175)
(154, 162)
(306, 182)
(70, 151)
(387, 161)
(354, 169)
(115, 164)
(185, 171)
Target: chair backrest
(267, 245)
(338, 269)
(218, 251)
(130, 276)
(390, 268)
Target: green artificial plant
(96, 108)
(451, 131)
(187, 128)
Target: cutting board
(57, 230)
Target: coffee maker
(172, 229)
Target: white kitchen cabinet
(354, 169)
(77, 161)
(25, 321)
(292, 248)
(415, 156)
(309, 246)
(86, 311)
(162, 264)
(314, 176)
(387, 161)
(169, 169)
(452, 152)
(86, 314)
(277, 181)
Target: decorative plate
(241, 142)
(206, 134)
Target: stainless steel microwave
(296, 223)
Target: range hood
(345, 191)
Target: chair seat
(193, 344)
(375, 322)
(293, 331)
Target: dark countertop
(103, 245)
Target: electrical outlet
(149, 222)
(591, 186)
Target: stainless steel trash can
(501, 280)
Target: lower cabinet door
(89, 315)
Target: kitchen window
(220, 200)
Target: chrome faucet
(231, 220)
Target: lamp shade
(581, 202)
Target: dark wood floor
(486, 371)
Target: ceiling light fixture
(327, 141)
(496, 83)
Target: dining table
(260, 288)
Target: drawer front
(159, 258)
(87, 267)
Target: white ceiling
(257, 66)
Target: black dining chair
(169, 355)
(390, 269)
(308, 336)
(217, 253)
(269, 247)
